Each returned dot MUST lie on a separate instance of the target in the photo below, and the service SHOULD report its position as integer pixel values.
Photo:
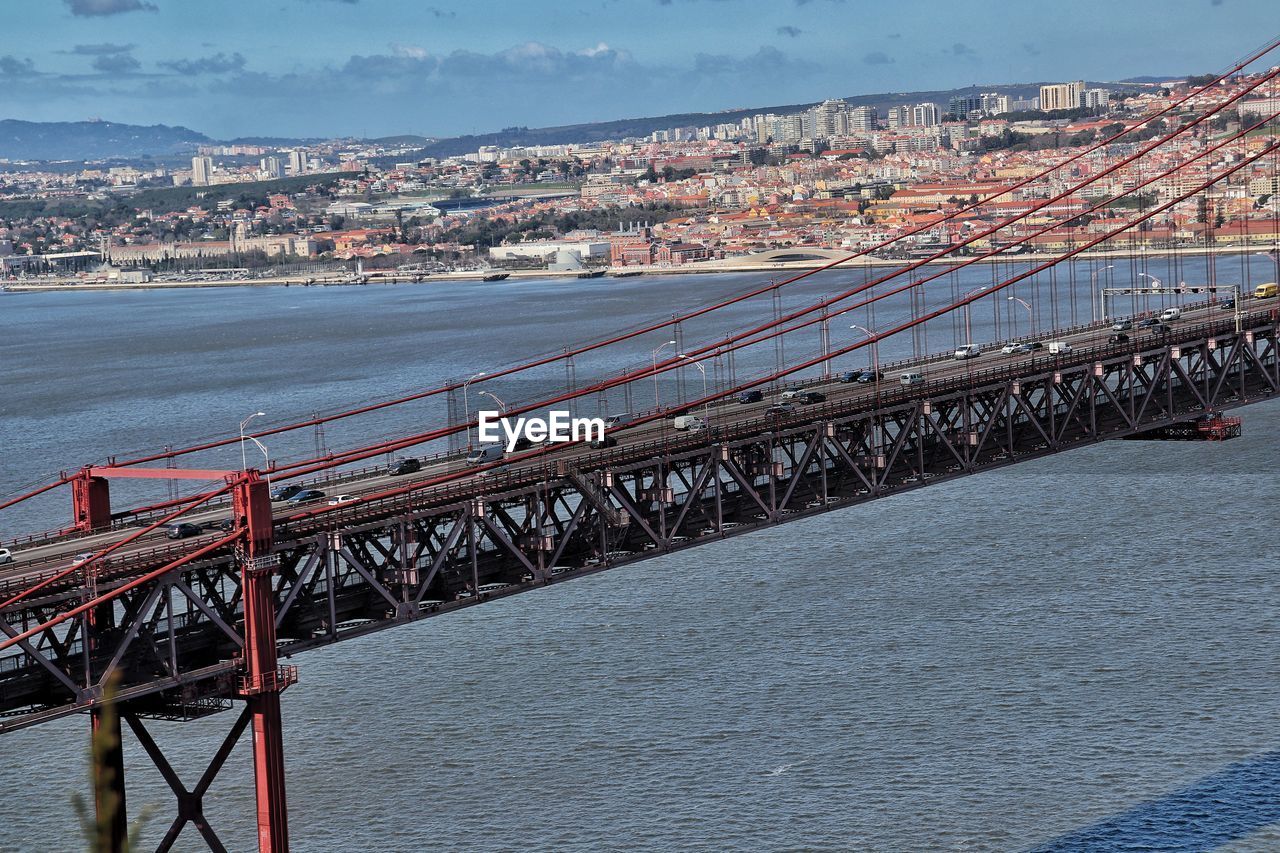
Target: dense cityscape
(831, 177)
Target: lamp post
(466, 406)
(968, 329)
(1155, 285)
(244, 462)
(1031, 317)
(875, 356)
(657, 404)
(706, 403)
(502, 407)
(1093, 286)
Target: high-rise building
(925, 115)
(898, 117)
(962, 105)
(297, 162)
(1063, 96)
(1097, 98)
(862, 119)
(201, 171)
(994, 103)
(272, 167)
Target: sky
(369, 68)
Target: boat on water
(591, 274)
(625, 273)
(497, 276)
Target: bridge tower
(263, 678)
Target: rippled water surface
(1078, 653)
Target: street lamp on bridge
(657, 404)
(466, 406)
(706, 403)
(875, 355)
(1031, 317)
(244, 462)
(1093, 287)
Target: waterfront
(905, 675)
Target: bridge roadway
(176, 636)
(39, 560)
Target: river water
(1076, 653)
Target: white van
(618, 420)
(1171, 314)
(910, 379)
(689, 422)
(1059, 348)
(485, 453)
(968, 351)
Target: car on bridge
(339, 500)
(183, 530)
(6, 556)
(752, 396)
(968, 351)
(780, 409)
(1161, 329)
(1170, 314)
(1118, 338)
(603, 442)
(808, 397)
(1148, 322)
(284, 493)
(306, 496)
(868, 376)
(1122, 325)
(83, 557)
(1227, 305)
(911, 379)
(1015, 348)
(404, 466)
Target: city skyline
(379, 67)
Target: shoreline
(720, 267)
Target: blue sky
(437, 67)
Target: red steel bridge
(107, 617)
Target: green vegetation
(486, 233)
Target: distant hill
(91, 140)
(640, 127)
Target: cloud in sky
(116, 63)
(962, 49)
(102, 8)
(878, 57)
(11, 66)
(789, 31)
(101, 49)
(218, 63)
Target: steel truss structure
(179, 646)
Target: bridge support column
(90, 501)
(263, 679)
(112, 824)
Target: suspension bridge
(103, 614)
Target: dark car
(522, 443)
(306, 496)
(1148, 322)
(227, 524)
(780, 409)
(182, 530)
(404, 466)
(285, 492)
(1227, 305)
(808, 397)
(1118, 339)
(750, 397)
(605, 441)
(1161, 328)
(1032, 346)
(868, 376)
(851, 376)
